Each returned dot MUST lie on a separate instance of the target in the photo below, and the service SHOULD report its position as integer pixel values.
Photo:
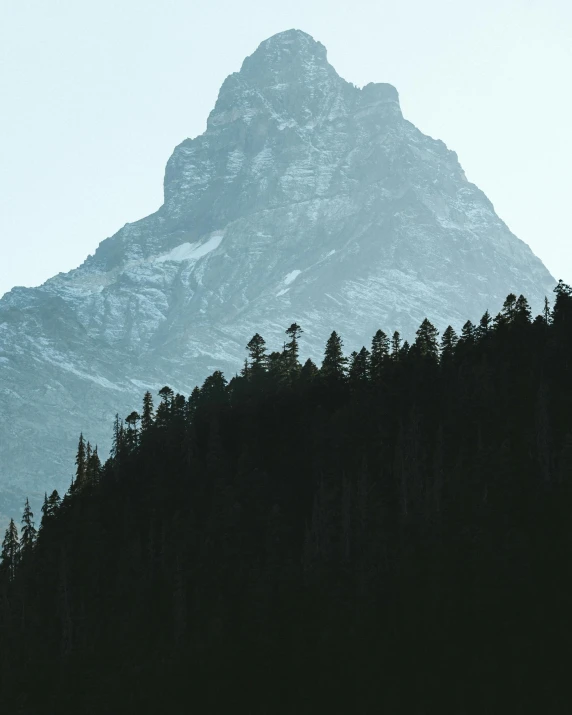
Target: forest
(387, 532)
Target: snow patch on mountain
(291, 277)
(191, 251)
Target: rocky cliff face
(306, 199)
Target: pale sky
(95, 94)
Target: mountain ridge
(306, 199)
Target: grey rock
(306, 199)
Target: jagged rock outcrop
(306, 199)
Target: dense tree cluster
(388, 532)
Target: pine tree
(395, 345)
(81, 463)
(147, 415)
(562, 311)
(379, 354)
(132, 436)
(45, 512)
(546, 312)
(359, 371)
(257, 353)
(28, 532)
(165, 408)
(213, 389)
(468, 333)
(94, 467)
(10, 551)
(426, 343)
(509, 308)
(334, 363)
(193, 403)
(522, 312)
(292, 348)
(54, 503)
(484, 327)
(309, 371)
(449, 341)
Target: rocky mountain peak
(288, 78)
(306, 199)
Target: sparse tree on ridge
(28, 532)
(257, 352)
(81, 463)
(334, 363)
(10, 557)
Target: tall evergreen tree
(54, 503)
(449, 341)
(10, 557)
(334, 362)
(379, 354)
(484, 327)
(81, 463)
(257, 353)
(132, 436)
(395, 345)
(468, 333)
(28, 532)
(546, 312)
(562, 311)
(509, 308)
(359, 371)
(292, 348)
(147, 414)
(522, 312)
(426, 343)
(93, 467)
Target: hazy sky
(96, 94)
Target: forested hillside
(389, 532)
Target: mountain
(305, 199)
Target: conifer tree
(93, 467)
(257, 353)
(147, 415)
(165, 408)
(359, 366)
(426, 343)
(80, 462)
(213, 389)
(449, 341)
(10, 557)
(193, 402)
(45, 512)
(292, 348)
(522, 312)
(379, 354)
(395, 345)
(546, 312)
(28, 532)
(562, 311)
(309, 370)
(468, 333)
(334, 363)
(132, 436)
(118, 442)
(509, 308)
(54, 502)
(484, 327)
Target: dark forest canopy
(387, 532)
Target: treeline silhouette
(386, 533)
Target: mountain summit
(307, 199)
